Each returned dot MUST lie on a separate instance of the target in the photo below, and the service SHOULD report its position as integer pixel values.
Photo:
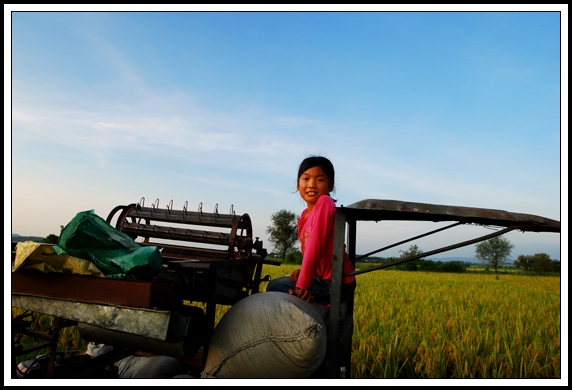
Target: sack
(268, 335)
(88, 236)
(43, 257)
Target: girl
(316, 233)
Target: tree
(294, 256)
(283, 231)
(51, 239)
(524, 262)
(540, 262)
(556, 267)
(494, 251)
(410, 265)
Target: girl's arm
(302, 294)
(315, 231)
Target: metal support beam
(336, 294)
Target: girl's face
(312, 184)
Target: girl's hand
(294, 276)
(302, 294)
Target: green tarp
(88, 236)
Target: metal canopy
(395, 210)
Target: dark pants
(319, 288)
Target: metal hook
(156, 204)
(170, 206)
(142, 202)
(231, 210)
(185, 208)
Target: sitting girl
(316, 233)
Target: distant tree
(283, 231)
(428, 265)
(556, 267)
(494, 251)
(412, 251)
(523, 262)
(439, 266)
(51, 239)
(411, 265)
(540, 262)
(27, 238)
(453, 266)
(294, 256)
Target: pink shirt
(316, 234)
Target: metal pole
(336, 293)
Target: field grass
(456, 326)
(438, 325)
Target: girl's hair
(318, 161)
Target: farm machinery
(211, 259)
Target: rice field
(442, 325)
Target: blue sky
(455, 108)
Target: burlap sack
(268, 335)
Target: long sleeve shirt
(316, 234)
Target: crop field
(439, 325)
(445, 325)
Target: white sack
(268, 335)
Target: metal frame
(339, 337)
(132, 311)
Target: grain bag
(268, 335)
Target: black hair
(322, 162)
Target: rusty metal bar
(36, 333)
(174, 233)
(180, 252)
(210, 310)
(184, 217)
(83, 288)
(213, 264)
(53, 347)
(177, 265)
(33, 348)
